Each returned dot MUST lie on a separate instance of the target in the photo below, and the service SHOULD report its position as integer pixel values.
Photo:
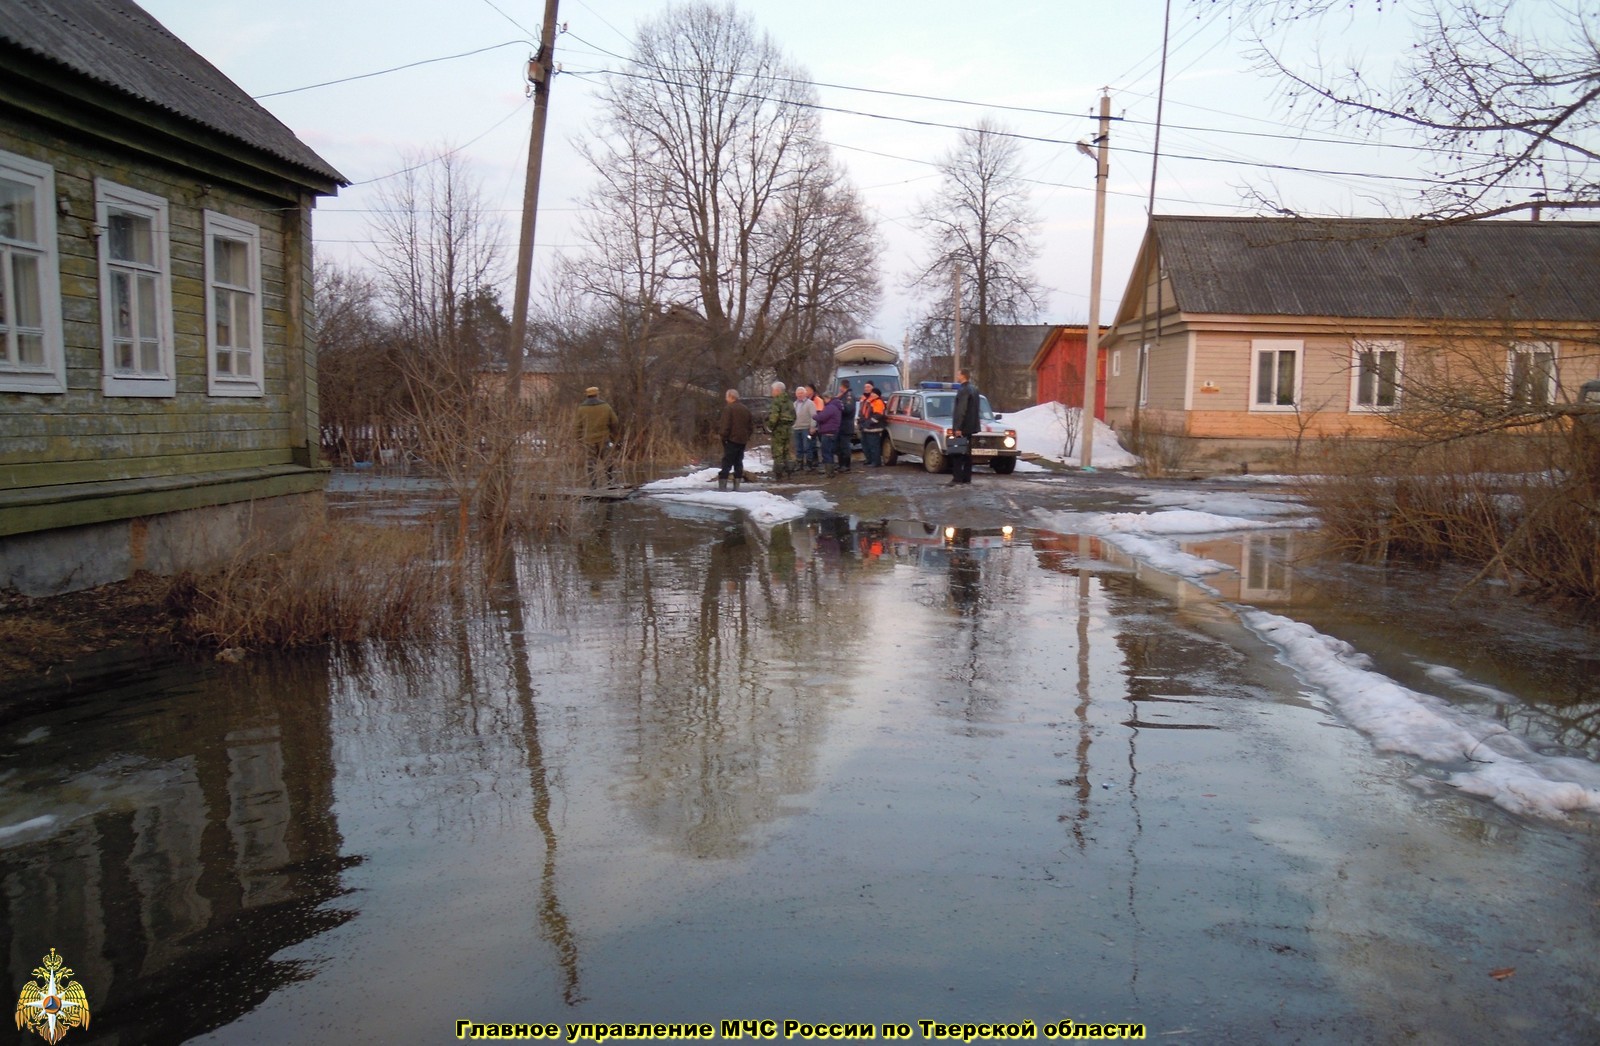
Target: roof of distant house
(118, 45)
(1383, 268)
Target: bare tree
(1506, 95)
(716, 195)
(358, 376)
(439, 259)
(980, 220)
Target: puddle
(686, 768)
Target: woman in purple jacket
(827, 422)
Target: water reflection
(671, 770)
(177, 849)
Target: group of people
(825, 425)
(810, 432)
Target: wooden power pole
(540, 70)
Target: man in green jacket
(598, 427)
(780, 422)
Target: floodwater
(686, 769)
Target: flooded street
(691, 769)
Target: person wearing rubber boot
(735, 429)
(780, 423)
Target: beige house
(1243, 330)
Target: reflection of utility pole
(1091, 350)
(540, 69)
(1085, 734)
(955, 305)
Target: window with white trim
(1116, 364)
(1265, 573)
(32, 358)
(233, 306)
(135, 292)
(1531, 373)
(1375, 375)
(1144, 374)
(1276, 385)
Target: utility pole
(955, 305)
(540, 69)
(1091, 350)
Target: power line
(391, 69)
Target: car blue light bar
(938, 385)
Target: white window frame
(1357, 348)
(50, 375)
(1260, 347)
(1265, 570)
(163, 381)
(221, 226)
(1143, 375)
(1116, 363)
(1552, 381)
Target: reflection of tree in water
(726, 653)
(447, 711)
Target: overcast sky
(1226, 128)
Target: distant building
(158, 391)
(1058, 367)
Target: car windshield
(943, 405)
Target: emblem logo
(56, 1006)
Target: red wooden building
(1058, 368)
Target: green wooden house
(158, 394)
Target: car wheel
(933, 459)
(891, 456)
(1005, 466)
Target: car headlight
(1010, 441)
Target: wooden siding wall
(85, 436)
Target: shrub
(342, 581)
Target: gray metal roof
(117, 44)
(1383, 268)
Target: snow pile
(1042, 430)
(1187, 521)
(1152, 536)
(1481, 756)
(761, 506)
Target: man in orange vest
(874, 426)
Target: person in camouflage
(780, 422)
(598, 427)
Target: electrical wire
(391, 69)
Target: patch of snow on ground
(761, 506)
(1231, 504)
(1188, 521)
(1150, 536)
(1479, 754)
(1042, 430)
(1164, 555)
(1455, 680)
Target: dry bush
(1520, 507)
(1161, 443)
(343, 581)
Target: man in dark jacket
(598, 427)
(735, 429)
(827, 425)
(847, 425)
(966, 423)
